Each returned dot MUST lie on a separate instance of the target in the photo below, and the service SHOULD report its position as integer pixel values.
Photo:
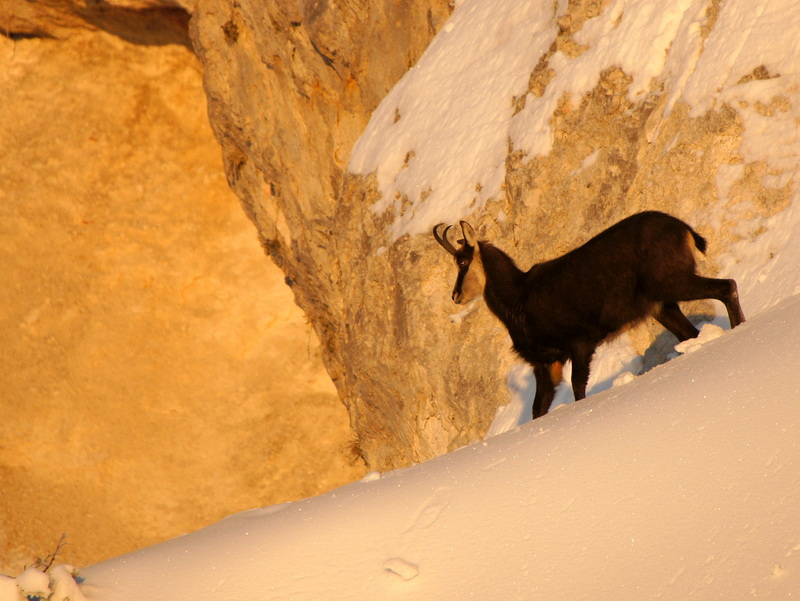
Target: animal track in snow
(401, 568)
(430, 510)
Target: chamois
(563, 309)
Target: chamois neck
(503, 279)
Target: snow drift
(682, 483)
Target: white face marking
(474, 281)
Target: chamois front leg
(547, 378)
(581, 360)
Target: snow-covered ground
(682, 482)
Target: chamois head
(471, 279)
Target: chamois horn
(441, 237)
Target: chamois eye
(462, 263)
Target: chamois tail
(699, 241)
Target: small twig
(46, 563)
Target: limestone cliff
(290, 88)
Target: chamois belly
(548, 341)
(533, 353)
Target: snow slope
(684, 482)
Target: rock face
(156, 374)
(139, 21)
(288, 93)
(290, 87)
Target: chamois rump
(563, 309)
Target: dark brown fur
(563, 309)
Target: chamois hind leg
(671, 317)
(547, 378)
(735, 313)
(697, 287)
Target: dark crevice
(326, 59)
(147, 27)
(26, 35)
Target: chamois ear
(469, 234)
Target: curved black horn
(440, 233)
